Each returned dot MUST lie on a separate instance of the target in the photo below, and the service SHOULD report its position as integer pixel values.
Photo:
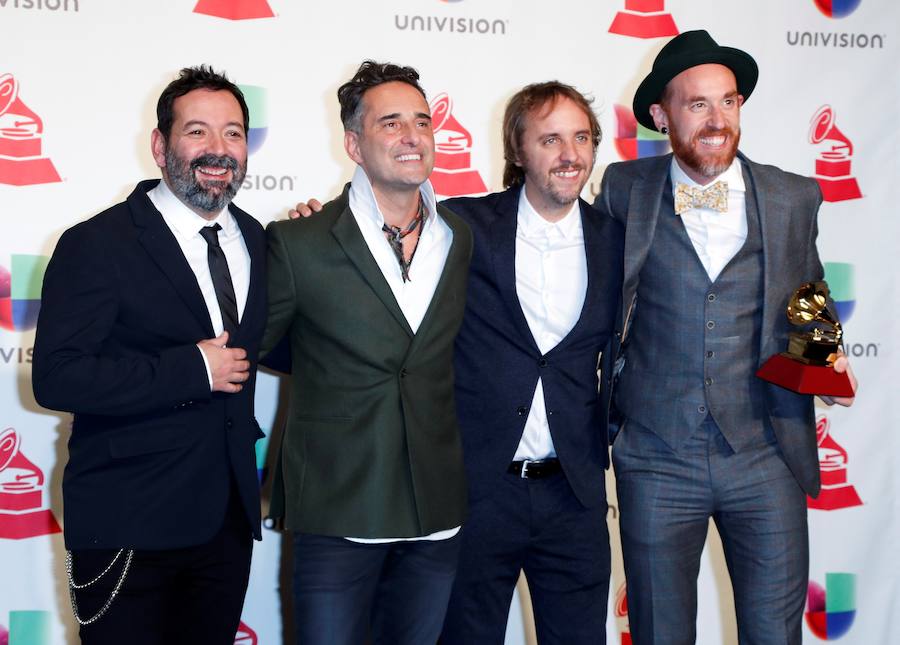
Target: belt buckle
(524, 473)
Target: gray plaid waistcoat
(693, 347)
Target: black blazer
(152, 452)
(498, 363)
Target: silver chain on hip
(72, 586)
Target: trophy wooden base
(805, 379)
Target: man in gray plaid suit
(715, 246)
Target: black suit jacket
(152, 452)
(498, 362)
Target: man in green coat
(370, 294)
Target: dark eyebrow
(730, 95)
(396, 115)
(196, 122)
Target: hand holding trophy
(808, 365)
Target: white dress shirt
(185, 225)
(425, 271)
(717, 237)
(551, 282)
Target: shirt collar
(363, 203)
(531, 223)
(182, 220)
(733, 175)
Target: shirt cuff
(206, 365)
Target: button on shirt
(551, 282)
(185, 225)
(717, 237)
(425, 272)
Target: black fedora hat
(686, 50)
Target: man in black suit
(151, 316)
(541, 303)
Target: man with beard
(715, 246)
(151, 317)
(541, 302)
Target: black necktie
(221, 279)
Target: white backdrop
(78, 105)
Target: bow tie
(714, 197)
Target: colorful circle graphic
(20, 291)
(257, 103)
(837, 8)
(830, 611)
(633, 140)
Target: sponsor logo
(620, 609)
(22, 511)
(644, 19)
(837, 8)
(21, 131)
(235, 9)
(262, 453)
(40, 5)
(840, 279)
(450, 23)
(836, 491)
(833, 163)
(27, 627)
(20, 291)
(453, 174)
(830, 611)
(257, 102)
(245, 635)
(634, 140)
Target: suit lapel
(348, 235)
(503, 251)
(256, 249)
(455, 258)
(164, 251)
(772, 248)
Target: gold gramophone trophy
(808, 365)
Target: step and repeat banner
(79, 81)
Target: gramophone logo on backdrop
(22, 511)
(837, 8)
(453, 174)
(28, 627)
(235, 9)
(644, 19)
(244, 635)
(837, 492)
(833, 164)
(633, 140)
(621, 611)
(20, 291)
(830, 610)
(21, 130)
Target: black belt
(534, 469)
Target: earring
(664, 130)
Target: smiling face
(204, 159)
(556, 153)
(702, 109)
(395, 144)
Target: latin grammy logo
(235, 9)
(245, 635)
(621, 611)
(453, 173)
(21, 494)
(644, 19)
(836, 491)
(833, 166)
(21, 163)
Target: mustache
(210, 160)
(713, 132)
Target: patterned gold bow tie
(714, 196)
